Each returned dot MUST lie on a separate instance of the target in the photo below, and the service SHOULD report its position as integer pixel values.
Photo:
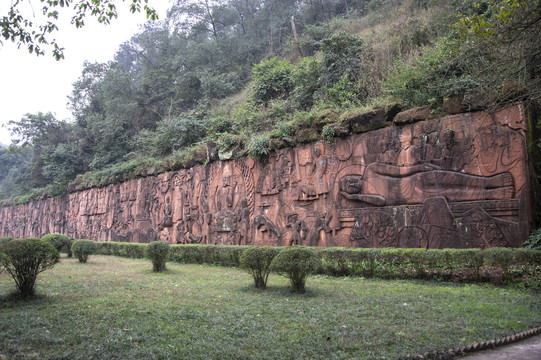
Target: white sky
(29, 84)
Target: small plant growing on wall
(296, 263)
(157, 252)
(328, 133)
(258, 146)
(83, 248)
(257, 261)
(24, 259)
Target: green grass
(117, 308)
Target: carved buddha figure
(224, 195)
(384, 184)
(408, 151)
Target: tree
(196, 16)
(24, 259)
(14, 162)
(35, 36)
(41, 134)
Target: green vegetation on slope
(254, 76)
(119, 308)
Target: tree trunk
(295, 37)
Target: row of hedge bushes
(497, 265)
(220, 255)
(25, 258)
(505, 265)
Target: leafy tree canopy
(36, 35)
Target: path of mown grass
(117, 308)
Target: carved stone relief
(459, 181)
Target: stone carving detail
(455, 182)
(374, 229)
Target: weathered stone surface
(413, 115)
(391, 109)
(453, 104)
(360, 122)
(456, 182)
(212, 151)
(307, 135)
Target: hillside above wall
(457, 181)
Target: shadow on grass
(14, 299)
(166, 272)
(275, 291)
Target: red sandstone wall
(459, 181)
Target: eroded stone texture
(460, 181)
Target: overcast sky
(29, 84)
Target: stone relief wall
(456, 182)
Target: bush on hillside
(272, 80)
(83, 248)
(157, 252)
(258, 146)
(257, 261)
(296, 263)
(61, 242)
(24, 259)
(306, 80)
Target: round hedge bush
(5, 239)
(157, 252)
(3, 258)
(24, 259)
(83, 248)
(257, 261)
(296, 263)
(61, 242)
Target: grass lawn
(117, 308)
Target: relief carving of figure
(225, 224)
(321, 233)
(409, 153)
(181, 233)
(167, 210)
(264, 225)
(384, 184)
(373, 229)
(206, 224)
(225, 194)
(298, 230)
(243, 217)
(193, 228)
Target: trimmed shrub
(5, 239)
(122, 249)
(24, 259)
(257, 261)
(83, 248)
(157, 252)
(499, 257)
(518, 266)
(3, 259)
(296, 263)
(61, 242)
(221, 255)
